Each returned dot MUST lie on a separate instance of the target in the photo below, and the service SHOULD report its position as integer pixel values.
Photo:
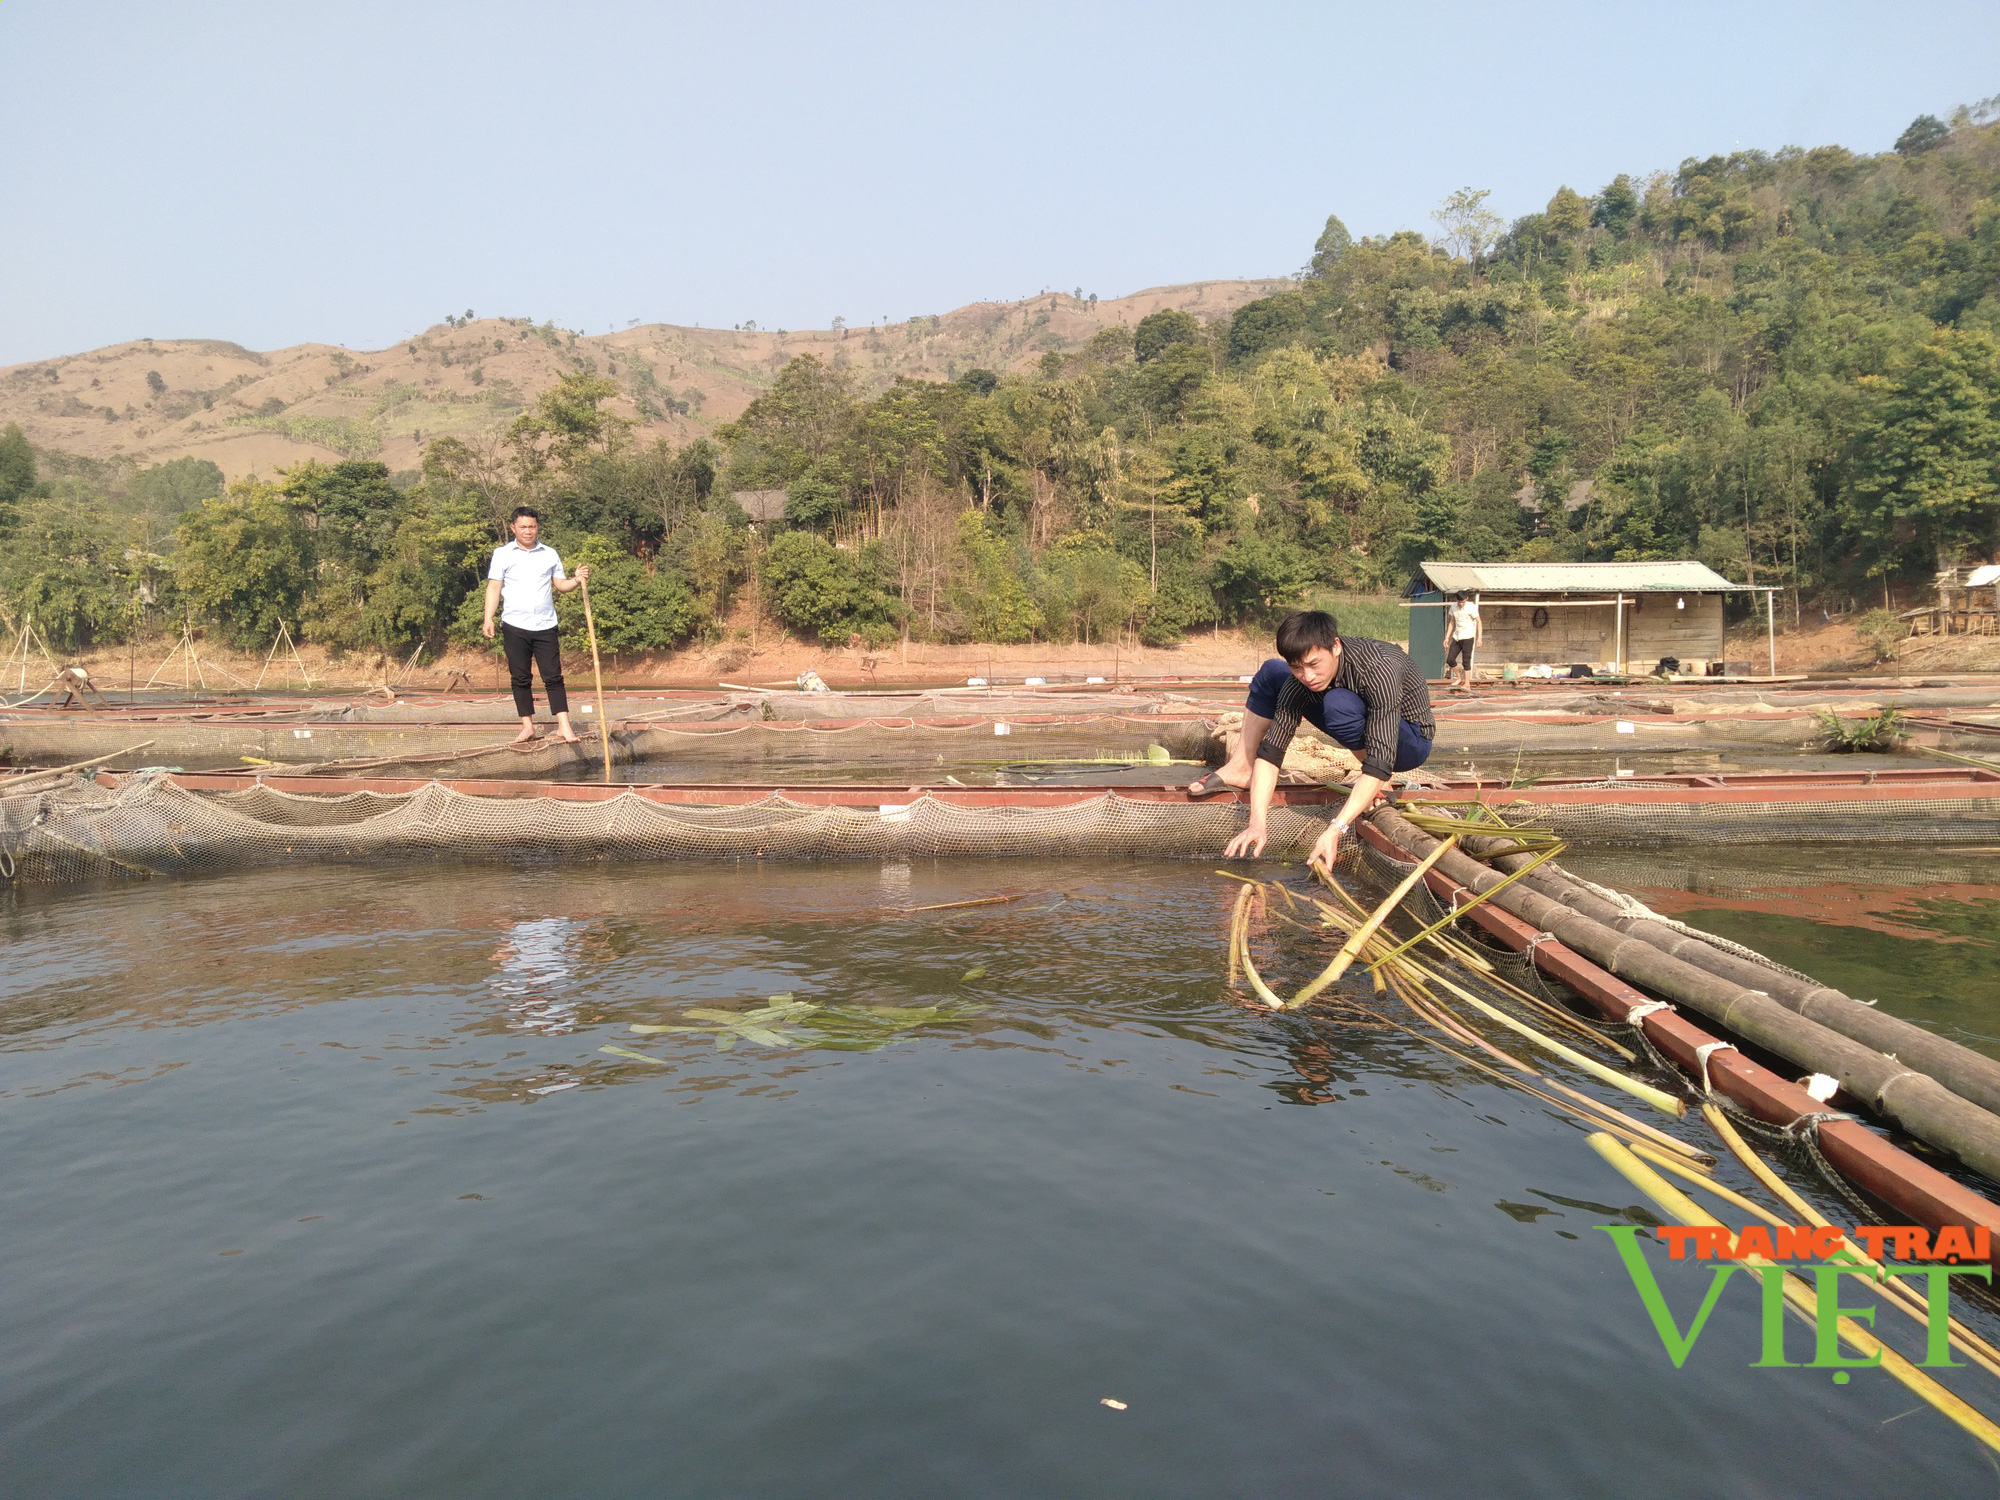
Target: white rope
(1701, 1055)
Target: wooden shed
(1613, 616)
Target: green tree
(1926, 449)
(168, 489)
(1334, 242)
(567, 426)
(637, 607)
(1468, 226)
(1925, 133)
(17, 467)
(244, 561)
(1160, 331)
(58, 569)
(814, 587)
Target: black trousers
(542, 648)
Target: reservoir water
(323, 1183)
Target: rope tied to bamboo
(1701, 1056)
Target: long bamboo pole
(597, 674)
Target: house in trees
(1613, 616)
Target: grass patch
(1378, 615)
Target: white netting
(82, 830)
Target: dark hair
(1301, 632)
(1459, 597)
(524, 510)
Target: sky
(350, 173)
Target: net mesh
(149, 825)
(80, 829)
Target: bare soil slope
(250, 412)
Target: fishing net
(81, 830)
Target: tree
(637, 606)
(353, 507)
(1616, 206)
(1334, 242)
(17, 466)
(1268, 323)
(244, 562)
(800, 423)
(1926, 450)
(155, 384)
(568, 424)
(814, 587)
(1468, 226)
(58, 569)
(1925, 133)
(1160, 331)
(168, 489)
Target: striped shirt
(1385, 679)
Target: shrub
(1881, 631)
(813, 587)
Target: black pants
(1457, 652)
(542, 648)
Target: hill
(247, 411)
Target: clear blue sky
(276, 172)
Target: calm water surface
(323, 1184)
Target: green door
(1427, 633)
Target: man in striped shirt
(1364, 694)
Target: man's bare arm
(1250, 842)
(492, 603)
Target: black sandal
(1209, 785)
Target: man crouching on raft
(530, 575)
(1363, 694)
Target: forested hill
(1784, 364)
(248, 411)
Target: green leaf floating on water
(635, 1056)
(971, 974)
(763, 1026)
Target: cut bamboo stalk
(1353, 945)
(1461, 909)
(1664, 1102)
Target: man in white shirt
(528, 576)
(1461, 634)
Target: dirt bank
(772, 660)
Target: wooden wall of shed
(1585, 634)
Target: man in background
(528, 575)
(1461, 634)
(1364, 694)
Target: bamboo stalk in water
(1353, 946)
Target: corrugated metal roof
(1982, 576)
(1580, 578)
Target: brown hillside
(257, 413)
